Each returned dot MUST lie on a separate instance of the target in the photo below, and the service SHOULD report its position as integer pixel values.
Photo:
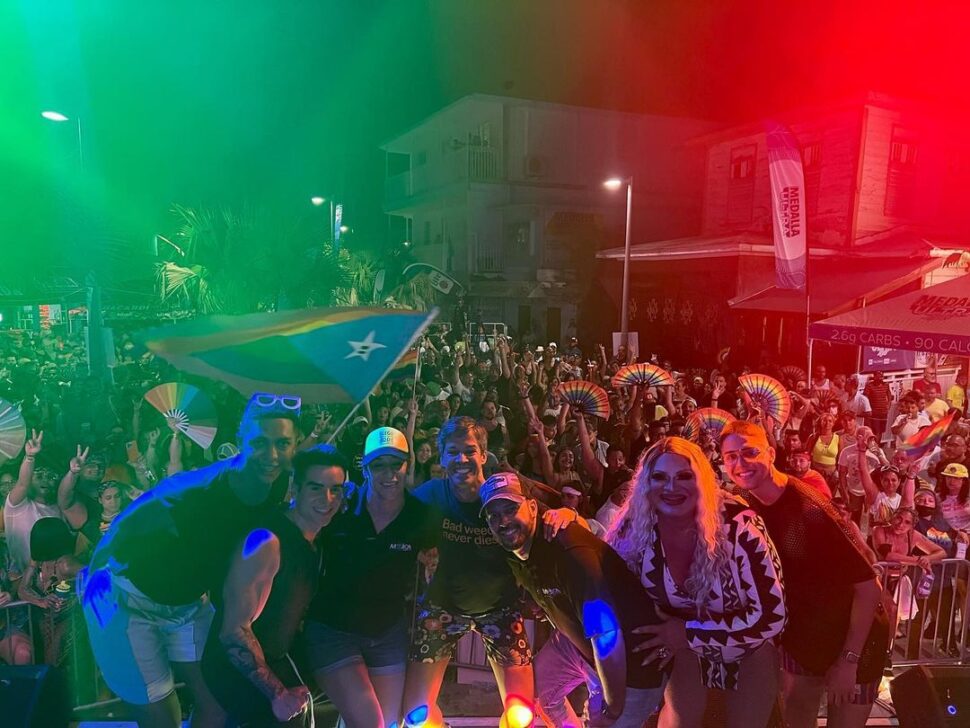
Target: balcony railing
(484, 164)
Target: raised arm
(74, 510)
(245, 592)
(865, 478)
(592, 466)
(32, 449)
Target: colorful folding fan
(642, 374)
(191, 411)
(769, 394)
(710, 419)
(13, 430)
(586, 398)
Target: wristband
(29, 458)
(850, 656)
(75, 471)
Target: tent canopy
(935, 319)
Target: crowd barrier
(928, 612)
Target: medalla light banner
(787, 207)
(936, 319)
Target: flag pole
(417, 374)
(345, 421)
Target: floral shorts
(436, 632)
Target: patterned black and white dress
(746, 606)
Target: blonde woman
(706, 560)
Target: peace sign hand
(35, 444)
(78, 461)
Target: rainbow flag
(407, 366)
(923, 442)
(322, 355)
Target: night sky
(270, 102)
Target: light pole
(59, 118)
(616, 183)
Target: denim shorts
(329, 649)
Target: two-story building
(885, 187)
(506, 195)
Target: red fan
(586, 398)
(643, 374)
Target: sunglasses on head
(287, 401)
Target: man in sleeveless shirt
(272, 578)
(144, 596)
(837, 633)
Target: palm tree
(227, 261)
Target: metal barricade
(16, 619)
(927, 612)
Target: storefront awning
(935, 319)
(837, 285)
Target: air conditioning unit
(535, 166)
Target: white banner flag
(788, 207)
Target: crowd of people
(271, 567)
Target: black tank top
(293, 588)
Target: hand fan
(643, 374)
(795, 374)
(769, 394)
(13, 430)
(192, 412)
(586, 398)
(711, 419)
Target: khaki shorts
(135, 640)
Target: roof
(726, 246)
(838, 286)
(401, 137)
(935, 319)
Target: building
(884, 180)
(506, 196)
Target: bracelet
(29, 458)
(75, 471)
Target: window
(742, 162)
(740, 198)
(901, 174)
(812, 155)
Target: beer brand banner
(787, 207)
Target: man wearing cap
(144, 597)
(472, 588)
(593, 600)
(357, 625)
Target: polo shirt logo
(400, 547)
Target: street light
(615, 183)
(58, 117)
(319, 200)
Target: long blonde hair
(633, 531)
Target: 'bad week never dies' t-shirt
(473, 575)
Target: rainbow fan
(769, 394)
(794, 374)
(586, 398)
(642, 374)
(710, 419)
(190, 411)
(13, 430)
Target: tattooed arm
(245, 593)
